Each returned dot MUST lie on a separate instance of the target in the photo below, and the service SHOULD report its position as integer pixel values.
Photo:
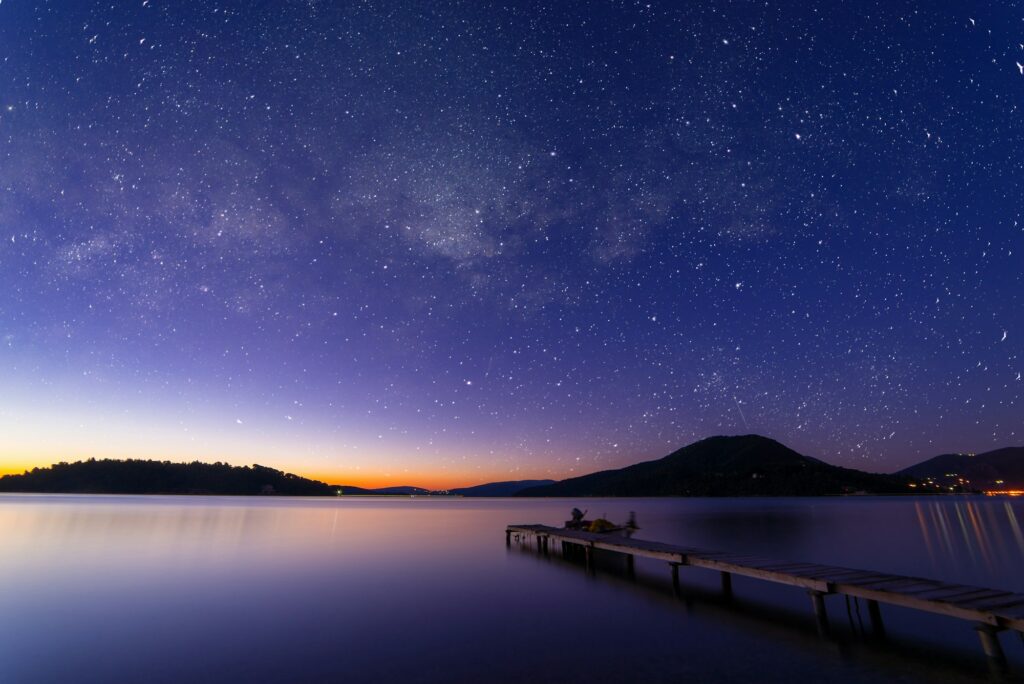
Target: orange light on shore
(1005, 492)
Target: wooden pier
(991, 610)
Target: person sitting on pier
(577, 519)
(631, 526)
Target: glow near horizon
(43, 427)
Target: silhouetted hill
(981, 471)
(161, 477)
(748, 465)
(350, 490)
(509, 488)
(401, 491)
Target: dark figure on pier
(631, 526)
(577, 521)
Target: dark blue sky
(455, 241)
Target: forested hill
(161, 477)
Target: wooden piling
(989, 637)
(875, 613)
(820, 615)
(992, 610)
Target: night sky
(440, 243)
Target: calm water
(174, 589)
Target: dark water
(174, 589)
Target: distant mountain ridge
(747, 465)
(349, 490)
(508, 488)
(991, 470)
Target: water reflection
(980, 533)
(751, 527)
(286, 590)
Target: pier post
(629, 566)
(875, 613)
(675, 579)
(544, 545)
(820, 616)
(589, 551)
(989, 636)
(727, 584)
(508, 537)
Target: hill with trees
(161, 477)
(991, 470)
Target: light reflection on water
(165, 589)
(982, 533)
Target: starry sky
(441, 243)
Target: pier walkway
(991, 610)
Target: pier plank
(997, 608)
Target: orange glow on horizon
(16, 468)
(425, 479)
(435, 481)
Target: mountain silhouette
(999, 469)
(747, 465)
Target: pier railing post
(989, 636)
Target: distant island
(746, 465)
(509, 488)
(136, 476)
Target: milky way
(454, 241)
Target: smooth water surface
(211, 589)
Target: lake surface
(210, 589)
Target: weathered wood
(991, 608)
(989, 637)
(904, 587)
(820, 615)
(771, 576)
(1006, 601)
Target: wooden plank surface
(988, 606)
